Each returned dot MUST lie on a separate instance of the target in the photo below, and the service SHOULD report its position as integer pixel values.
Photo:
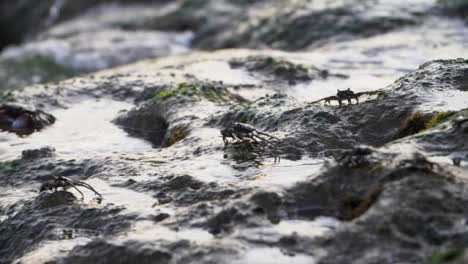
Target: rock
(279, 69)
(183, 182)
(48, 215)
(53, 199)
(44, 152)
(100, 251)
(161, 217)
(269, 203)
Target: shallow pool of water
(85, 128)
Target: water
(83, 129)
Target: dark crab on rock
(18, 119)
(247, 134)
(347, 95)
(66, 183)
(242, 132)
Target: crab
(19, 119)
(66, 183)
(347, 95)
(245, 133)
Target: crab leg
(267, 135)
(85, 185)
(266, 141)
(252, 136)
(78, 190)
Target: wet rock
(146, 124)
(344, 127)
(153, 119)
(391, 196)
(268, 202)
(211, 91)
(225, 221)
(44, 152)
(161, 217)
(279, 69)
(47, 200)
(379, 193)
(423, 229)
(44, 218)
(100, 251)
(457, 8)
(182, 182)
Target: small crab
(243, 131)
(329, 99)
(347, 95)
(19, 119)
(66, 183)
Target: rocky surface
(382, 181)
(203, 201)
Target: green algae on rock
(438, 118)
(212, 92)
(177, 134)
(7, 165)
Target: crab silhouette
(18, 119)
(247, 134)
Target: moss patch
(178, 133)
(7, 165)
(416, 123)
(438, 118)
(447, 256)
(208, 91)
(413, 124)
(353, 207)
(381, 93)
